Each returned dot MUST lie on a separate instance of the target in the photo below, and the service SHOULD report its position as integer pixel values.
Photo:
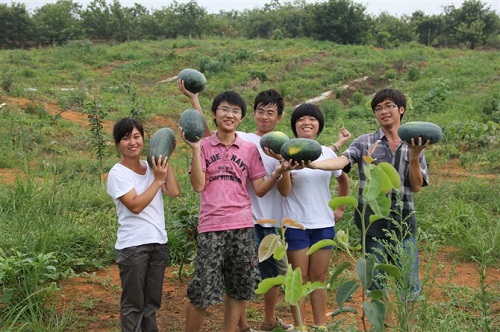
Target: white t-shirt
(136, 229)
(269, 206)
(308, 201)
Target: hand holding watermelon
(194, 81)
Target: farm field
(96, 296)
(58, 225)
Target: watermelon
(416, 129)
(301, 149)
(194, 81)
(162, 143)
(193, 124)
(274, 140)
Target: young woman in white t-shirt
(141, 250)
(307, 203)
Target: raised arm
(136, 203)
(344, 137)
(171, 186)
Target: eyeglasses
(384, 108)
(269, 114)
(234, 111)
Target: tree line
(471, 25)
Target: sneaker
(279, 324)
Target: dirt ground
(95, 297)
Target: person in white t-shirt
(267, 112)
(141, 250)
(307, 204)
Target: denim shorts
(271, 267)
(225, 261)
(298, 239)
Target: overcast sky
(394, 7)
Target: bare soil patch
(96, 296)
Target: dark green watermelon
(194, 81)
(274, 141)
(162, 143)
(193, 124)
(301, 149)
(416, 129)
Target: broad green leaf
(375, 311)
(343, 200)
(390, 269)
(381, 205)
(268, 246)
(373, 217)
(279, 252)
(376, 294)
(386, 186)
(356, 248)
(392, 173)
(320, 244)
(344, 309)
(374, 181)
(345, 291)
(311, 287)
(338, 271)
(364, 269)
(269, 283)
(293, 285)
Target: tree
(17, 26)
(391, 30)
(428, 28)
(191, 19)
(472, 24)
(96, 20)
(58, 23)
(340, 21)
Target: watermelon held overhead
(193, 125)
(301, 149)
(194, 81)
(162, 143)
(415, 129)
(274, 140)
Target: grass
(60, 209)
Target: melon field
(58, 225)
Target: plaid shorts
(225, 261)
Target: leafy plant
(295, 290)
(96, 116)
(381, 179)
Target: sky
(374, 7)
